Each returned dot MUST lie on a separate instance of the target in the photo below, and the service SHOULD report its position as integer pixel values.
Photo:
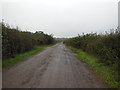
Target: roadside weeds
(106, 73)
(11, 61)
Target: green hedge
(16, 42)
(106, 47)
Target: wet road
(55, 67)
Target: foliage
(106, 47)
(106, 73)
(15, 41)
(20, 57)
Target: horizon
(63, 19)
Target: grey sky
(119, 14)
(62, 18)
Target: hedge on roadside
(15, 41)
(106, 47)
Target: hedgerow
(15, 41)
(104, 46)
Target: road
(55, 67)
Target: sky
(62, 18)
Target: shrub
(106, 47)
(15, 41)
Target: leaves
(106, 47)
(15, 42)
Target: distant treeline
(15, 41)
(61, 39)
(106, 46)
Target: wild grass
(20, 57)
(107, 73)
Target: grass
(106, 73)
(20, 57)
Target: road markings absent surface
(55, 67)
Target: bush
(106, 47)
(15, 41)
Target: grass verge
(106, 73)
(20, 57)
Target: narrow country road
(55, 67)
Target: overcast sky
(62, 18)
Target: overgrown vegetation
(105, 47)
(108, 74)
(15, 42)
(20, 57)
